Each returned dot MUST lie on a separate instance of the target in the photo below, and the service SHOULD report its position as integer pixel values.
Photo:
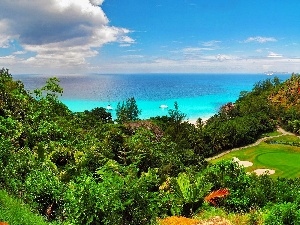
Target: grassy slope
(284, 159)
(15, 212)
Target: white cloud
(8, 57)
(274, 55)
(221, 63)
(191, 50)
(126, 41)
(260, 39)
(133, 56)
(58, 32)
(19, 53)
(96, 2)
(222, 57)
(212, 43)
(196, 49)
(5, 35)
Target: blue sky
(141, 36)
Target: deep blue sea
(198, 95)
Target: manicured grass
(14, 212)
(283, 158)
(287, 138)
(271, 134)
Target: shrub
(283, 214)
(115, 196)
(43, 188)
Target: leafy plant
(189, 191)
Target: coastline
(198, 96)
(193, 120)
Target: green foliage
(175, 115)
(14, 100)
(50, 90)
(285, 100)
(44, 188)
(255, 217)
(220, 134)
(116, 196)
(18, 166)
(283, 214)
(127, 111)
(188, 192)
(294, 126)
(228, 174)
(96, 115)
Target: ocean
(197, 95)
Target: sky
(149, 36)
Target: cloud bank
(58, 32)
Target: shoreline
(193, 120)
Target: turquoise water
(198, 95)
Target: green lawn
(282, 158)
(270, 134)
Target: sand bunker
(264, 171)
(257, 171)
(242, 163)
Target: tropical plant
(188, 191)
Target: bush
(19, 165)
(283, 214)
(115, 196)
(44, 188)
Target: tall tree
(127, 111)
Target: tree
(51, 89)
(127, 111)
(176, 116)
(177, 129)
(96, 115)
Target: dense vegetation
(85, 168)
